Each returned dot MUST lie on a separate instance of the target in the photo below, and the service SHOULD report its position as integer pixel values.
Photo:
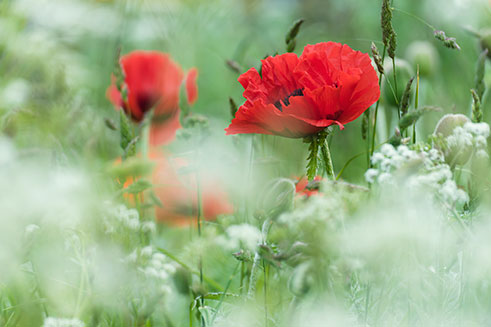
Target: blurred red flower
(178, 192)
(153, 80)
(305, 188)
(296, 97)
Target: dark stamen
(286, 100)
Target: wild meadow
(218, 163)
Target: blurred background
(56, 59)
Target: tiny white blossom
(146, 251)
(148, 226)
(478, 129)
(371, 174)
(387, 150)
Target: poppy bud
(424, 54)
(406, 97)
(445, 128)
(404, 72)
(182, 280)
(278, 196)
(234, 66)
(292, 34)
(480, 85)
(485, 40)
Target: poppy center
(286, 101)
(146, 101)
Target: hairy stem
(326, 156)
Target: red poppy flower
(296, 97)
(153, 81)
(178, 193)
(305, 188)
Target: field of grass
(289, 163)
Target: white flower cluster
(154, 266)
(243, 236)
(318, 208)
(127, 218)
(62, 322)
(431, 173)
(470, 135)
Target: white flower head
(243, 236)
(371, 174)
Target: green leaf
(138, 186)
(155, 199)
(127, 134)
(131, 167)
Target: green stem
(200, 262)
(376, 109)
(326, 156)
(415, 17)
(416, 100)
(225, 291)
(395, 87)
(242, 274)
(247, 212)
(207, 279)
(265, 285)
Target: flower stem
(416, 100)
(326, 156)
(376, 109)
(395, 86)
(265, 285)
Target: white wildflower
(388, 150)
(477, 129)
(146, 251)
(62, 322)
(377, 157)
(371, 174)
(243, 236)
(148, 226)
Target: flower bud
(301, 280)
(485, 40)
(278, 196)
(182, 280)
(424, 54)
(404, 72)
(453, 154)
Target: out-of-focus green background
(56, 58)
